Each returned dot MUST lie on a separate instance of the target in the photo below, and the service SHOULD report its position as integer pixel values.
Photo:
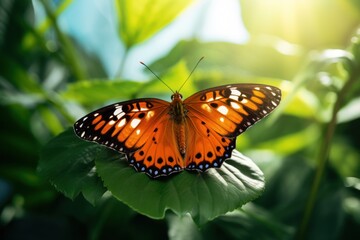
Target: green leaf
(298, 101)
(100, 91)
(255, 58)
(203, 196)
(50, 120)
(138, 21)
(67, 163)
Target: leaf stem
(323, 156)
(120, 71)
(68, 48)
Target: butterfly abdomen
(181, 138)
(178, 115)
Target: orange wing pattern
(160, 138)
(139, 128)
(217, 115)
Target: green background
(308, 149)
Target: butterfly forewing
(117, 125)
(220, 114)
(137, 128)
(231, 109)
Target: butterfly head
(176, 96)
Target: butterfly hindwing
(225, 112)
(208, 148)
(159, 156)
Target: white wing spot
(118, 110)
(235, 92)
(265, 112)
(269, 88)
(81, 125)
(96, 114)
(135, 122)
(138, 131)
(244, 101)
(120, 115)
(234, 105)
(84, 119)
(236, 98)
(223, 110)
(122, 122)
(95, 138)
(256, 88)
(112, 122)
(83, 134)
(274, 94)
(274, 103)
(222, 119)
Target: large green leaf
(258, 57)
(99, 91)
(69, 164)
(139, 20)
(204, 196)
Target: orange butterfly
(161, 138)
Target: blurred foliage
(138, 22)
(313, 25)
(308, 148)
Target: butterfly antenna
(157, 77)
(191, 73)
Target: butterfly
(197, 133)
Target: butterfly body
(160, 138)
(178, 113)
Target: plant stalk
(323, 157)
(68, 48)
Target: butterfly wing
(217, 115)
(144, 130)
(139, 128)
